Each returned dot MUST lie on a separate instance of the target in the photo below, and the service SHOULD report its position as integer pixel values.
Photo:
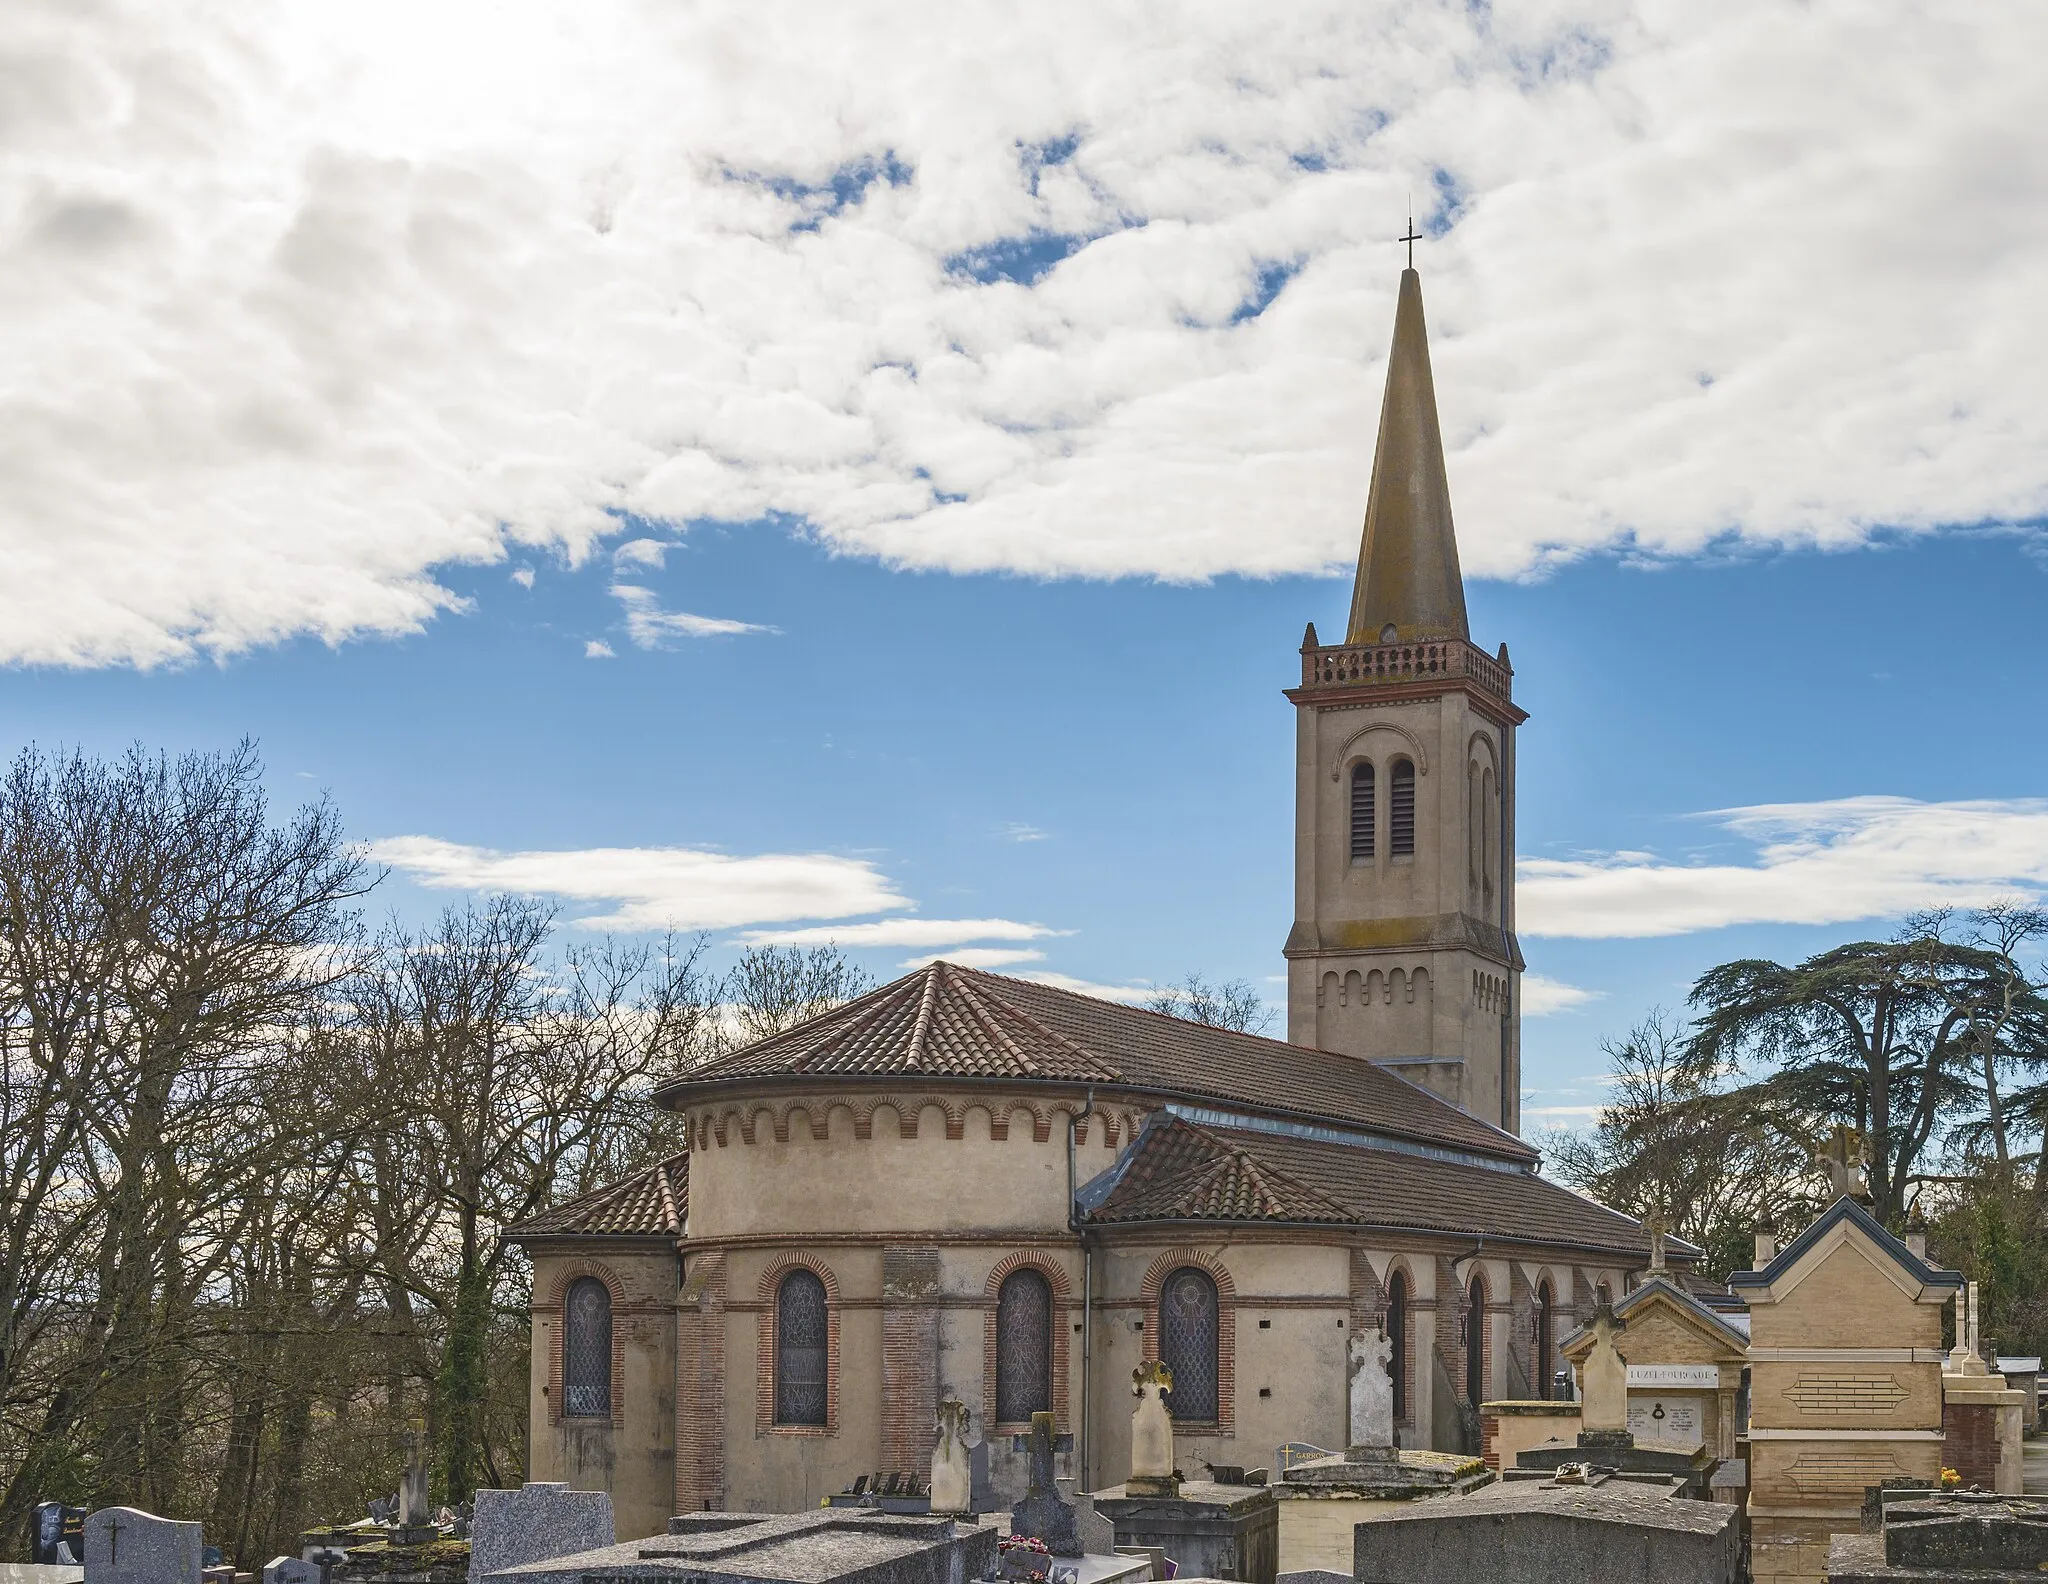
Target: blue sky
(1111, 759)
(864, 471)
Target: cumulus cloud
(1830, 862)
(650, 888)
(1542, 996)
(902, 932)
(640, 552)
(306, 303)
(1130, 995)
(650, 627)
(598, 649)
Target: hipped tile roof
(1165, 1179)
(945, 1021)
(651, 1202)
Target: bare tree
(774, 988)
(1232, 1004)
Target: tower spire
(1408, 578)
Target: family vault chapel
(966, 1185)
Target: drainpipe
(1082, 1483)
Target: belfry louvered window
(587, 1349)
(1401, 809)
(801, 1332)
(1023, 1347)
(1364, 808)
(1189, 1330)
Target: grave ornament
(1372, 1397)
(1152, 1470)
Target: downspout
(1082, 1483)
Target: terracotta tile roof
(1176, 1171)
(1381, 1187)
(651, 1202)
(944, 1021)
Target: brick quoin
(700, 1386)
(1489, 1437)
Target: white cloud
(523, 576)
(1130, 995)
(902, 932)
(649, 626)
(978, 957)
(640, 552)
(1817, 863)
(305, 302)
(1542, 996)
(1017, 831)
(598, 649)
(655, 887)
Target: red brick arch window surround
(764, 1391)
(1404, 1361)
(557, 1305)
(1165, 1265)
(1062, 1327)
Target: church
(965, 1185)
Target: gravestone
(415, 1525)
(1041, 1514)
(1604, 1404)
(952, 1463)
(126, 1546)
(1372, 1397)
(292, 1570)
(536, 1523)
(1152, 1470)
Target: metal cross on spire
(1411, 239)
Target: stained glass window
(1023, 1347)
(1188, 1333)
(587, 1349)
(1397, 1334)
(800, 1333)
(1475, 1343)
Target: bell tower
(1403, 949)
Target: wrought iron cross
(1411, 239)
(113, 1539)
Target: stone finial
(1766, 1248)
(1916, 1232)
(952, 1467)
(1655, 1227)
(1604, 1401)
(1845, 1160)
(1152, 1471)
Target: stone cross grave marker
(1042, 1514)
(952, 1463)
(1372, 1396)
(124, 1545)
(1151, 1434)
(1605, 1399)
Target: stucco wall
(631, 1454)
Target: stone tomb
(539, 1521)
(126, 1546)
(1683, 1366)
(1988, 1539)
(1540, 1532)
(1209, 1530)
(1845, 1384)
(823, 1546)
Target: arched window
(1475, 845)
(1475, 1343)
(1023, 1347)
(1397, 1334)
(587, 1349)
(1546, 1341)
(1401, 809)
(1189, 1331)
(1364, 809)
(1489, 852)
(800, 1338)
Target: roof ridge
(927, 1002)
(973, 997)
(844, 1027)
(1072, 1047)
(1266, 1176)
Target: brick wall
(700, 1386)
(1972, 1445)
(910, 1356)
